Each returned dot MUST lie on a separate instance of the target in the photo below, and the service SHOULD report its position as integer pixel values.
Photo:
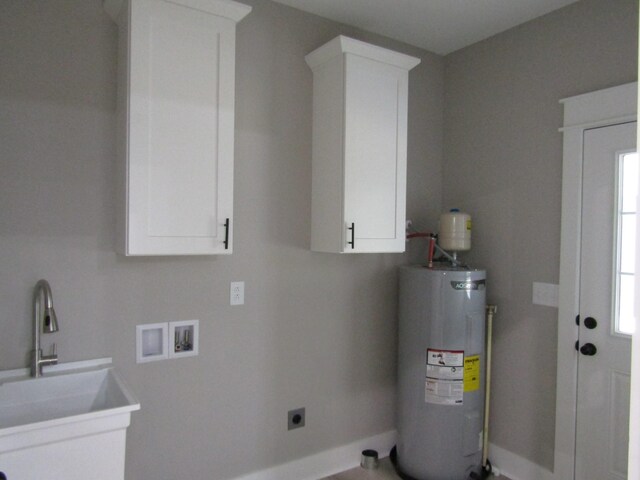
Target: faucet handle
(42, 360)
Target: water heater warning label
(445, 377)
(472, 373)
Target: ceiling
(440, 26)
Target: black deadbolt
(588, 349)
(590, 323)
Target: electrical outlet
(295, 418)
(236, 293)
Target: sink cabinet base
(98, 456)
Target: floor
(384, 471)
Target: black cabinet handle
(353, 236)
(3, 476)
(226, 239)
(588, 349)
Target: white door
(606, 301)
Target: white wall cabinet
(360, 96)
(176, 87)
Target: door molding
(611, 106)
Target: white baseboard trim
(339, 459)
(326, 463)
(516, 467)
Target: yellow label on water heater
(471, 373)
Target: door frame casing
(601, 108)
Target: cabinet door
(375, 156)
(181, 104)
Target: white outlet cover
(545, 294)
(236, 293)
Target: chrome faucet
(44, 318)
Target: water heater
(441, 355)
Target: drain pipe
(486, 466)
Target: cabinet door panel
(180, 144)
(372, 157)
(183, 86)
(183, 114)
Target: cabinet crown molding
(223, 8)
(342, 44)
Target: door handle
(590, 323)
(588, 349)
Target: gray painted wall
(317, 330)
(503, 164)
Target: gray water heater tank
(441, 355)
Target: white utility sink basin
(71, 423)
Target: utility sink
(70, 423)
(59, 398)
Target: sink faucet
(45, 319)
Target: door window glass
(626, 243)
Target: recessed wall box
(151, 342)
(183, 341)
